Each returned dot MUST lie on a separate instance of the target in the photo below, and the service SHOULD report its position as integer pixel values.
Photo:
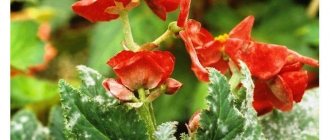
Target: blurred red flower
(106, 10)
(102, 10)
(145, 69)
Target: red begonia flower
(162, 7)
(144, 69)
(277, 71)
(102, 10)
(203, 49)
(263, 60)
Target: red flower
(204, 50)
(277, 71)
(161, 7)
(145, 69)
(102, 10)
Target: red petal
(170, 5)
(296, 82)
(281, 98)
(166, 60)
(117, 90)
(121, 58)
(292, 67)
(197, 33)
(199, 70)
(194, 122)
(94, 10)
(157, 8)
(184, 12)
(263, 60)
(210, 55)
(295, 57)
(145, 69)
(172, 86)
(243, 29)
(261, 102)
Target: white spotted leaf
(166, 131)
(224, 119)
(90, 113)
(24, 125)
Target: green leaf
(252, 128)
(166, 131)
(24, 125)
(105, 42)
(222, 119)
(56, 124)
(91, 114)
(26, 48)
(301, 123)
(62, 11)
(29, 90)
(184, 136)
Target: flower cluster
(278, 73)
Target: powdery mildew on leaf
(88, 75)
(301, 123)
(24, 125)
(89, 113)
(166, 131)
(223, 119)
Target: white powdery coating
(15, 126)
(88, 78)
(299, 123)
(86, 135)
(72, 120)
(84, 99)
(23, 119)
(224, 129)
(40, 131)
(99, 99)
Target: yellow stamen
(222, 38)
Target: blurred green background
(293, 23)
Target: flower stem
(129, 41)
(163, 37)
(147, 115)
(236, 76)
(171, 30)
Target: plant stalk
(129, 41)
(147, 115)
